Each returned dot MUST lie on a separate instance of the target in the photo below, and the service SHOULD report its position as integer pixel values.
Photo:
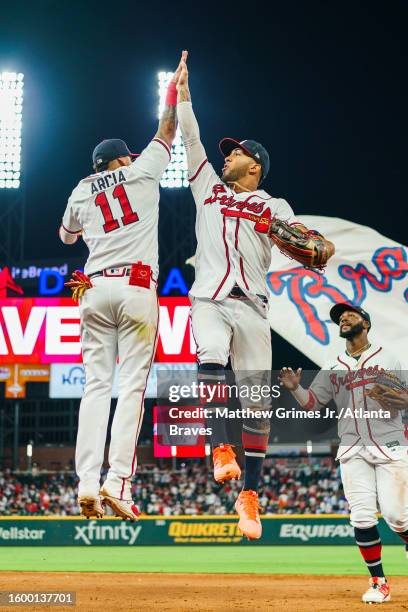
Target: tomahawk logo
(93, 532)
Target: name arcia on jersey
(107, 180)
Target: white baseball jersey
(344, 379)
(118, 211)
(231, 249)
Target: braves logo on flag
(368, 270)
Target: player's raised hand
(183, 60)
(290, 379)
(183, 74)
(168, 120)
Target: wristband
(302, 396)
(171, 97)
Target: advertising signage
(46, 330)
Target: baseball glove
(389, 391)
(308, 248)
(79, 283)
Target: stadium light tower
(11, 192)
(175, 174)
(11, 110)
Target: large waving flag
(367, 269)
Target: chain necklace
(360, 350)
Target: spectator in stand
(290, 486)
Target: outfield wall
(180, 531)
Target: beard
(232, 176)
(353, 331)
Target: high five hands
(183, 74)
(290, 379)
(181, 69)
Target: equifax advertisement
(47, 330)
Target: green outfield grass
(200, 559)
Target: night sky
(322, 85)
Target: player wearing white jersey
(368, 386)
(116, 211)
(229, 295)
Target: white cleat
(124, 508)
(379, 591)
(91, 506)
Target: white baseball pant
(231, 327)
(117, 320)
(366, 479)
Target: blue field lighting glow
(11, 120)
(176, 173)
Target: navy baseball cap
(251, 148)
(338, 309)
(108, 150)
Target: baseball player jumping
(373, 450)
(229, 295)
(116, 211)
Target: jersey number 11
(128, 215)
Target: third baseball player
(373, 449)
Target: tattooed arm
(183, 92)
(155, 158)
(168, 125)
(168, 120)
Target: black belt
(110, 272)
(236, 292)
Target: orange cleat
(247, 506)
(225, 465)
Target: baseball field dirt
(201, 578)
(203, 592)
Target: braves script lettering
(355, 378)
(253, 203)
(305, 286)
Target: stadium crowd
(289, 486)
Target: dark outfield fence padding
(180, 531)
